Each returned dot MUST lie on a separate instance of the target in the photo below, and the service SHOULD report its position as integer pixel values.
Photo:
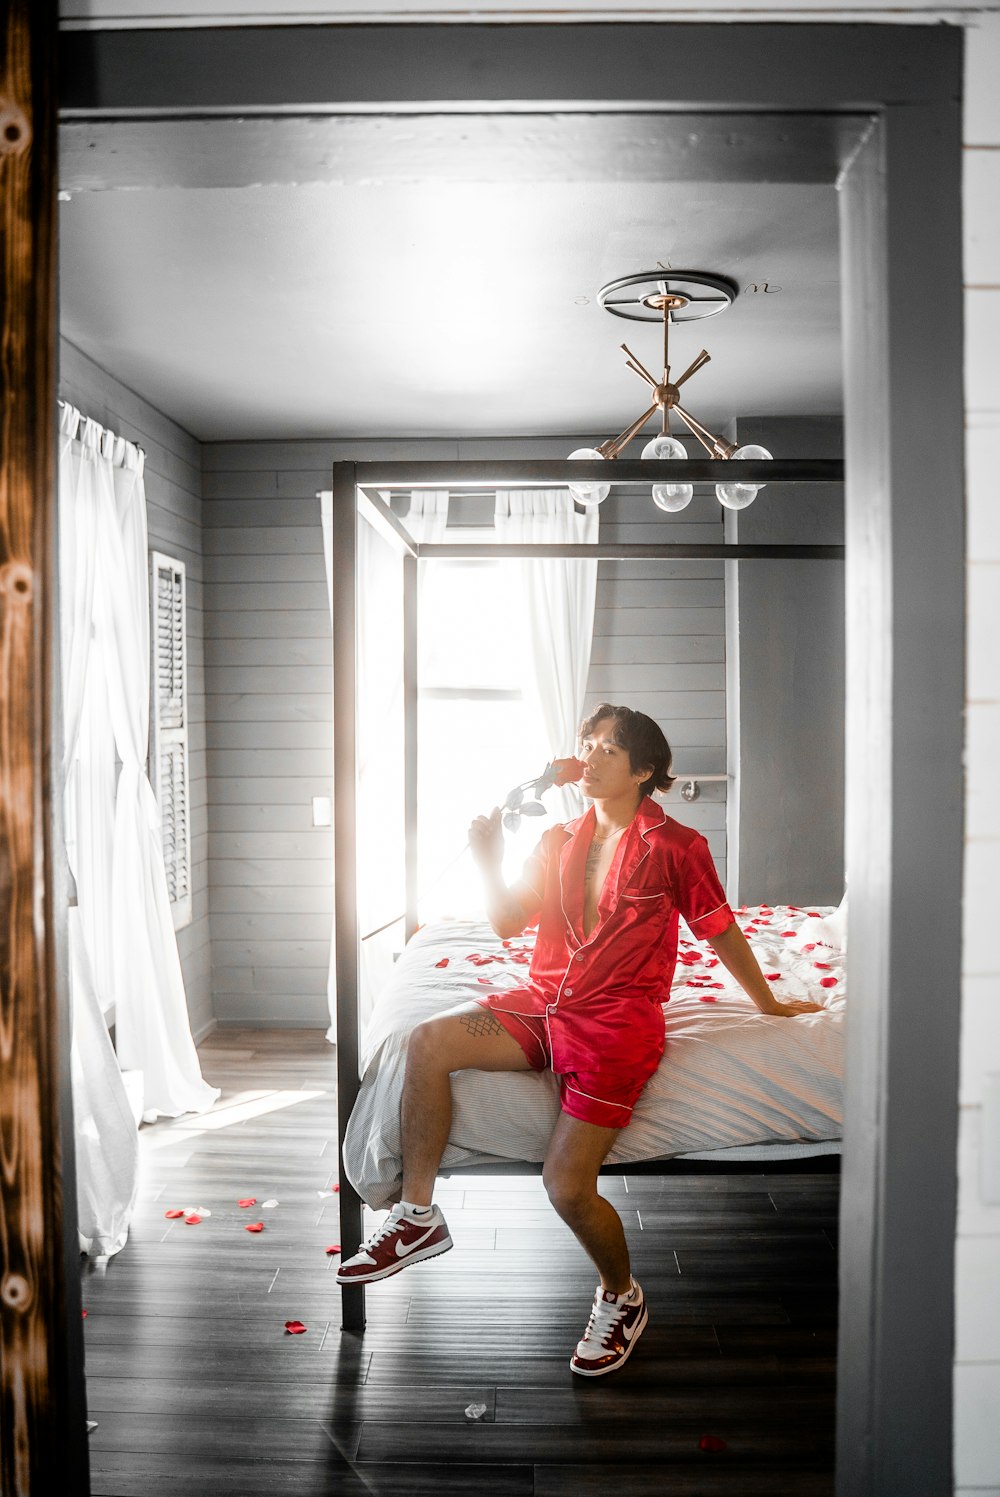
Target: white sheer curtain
(558, 597)
(125, 932)
(381, 891)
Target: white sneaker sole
(583, 1371)
(386, 1273)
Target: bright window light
(478, 735)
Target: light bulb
(739, 495)
(669, 496)
(589, 494)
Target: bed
(733, 1084)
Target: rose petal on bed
(773, 976)
(248, 1201)
(706, 998)
(716, 984)
(443, 962)
(711, 1442)
(254, 1227)
(508, 944)
(814, 914)
(824, 966)
(828, 982)
(192, 1221)
(172, 1215)
(294, 1327)
(810, 947)
(332, 1251)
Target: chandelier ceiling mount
(668, 297)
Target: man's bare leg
(468, 1039)
(575, 1154)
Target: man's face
(608, 773)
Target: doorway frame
(905, 547)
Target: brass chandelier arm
(703, 358)
(610, 450)
(640, 372)
(640, 367)
(714, 446)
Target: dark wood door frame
(42, 1411)
(901, 242)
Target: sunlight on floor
(242, 1107)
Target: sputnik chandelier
(675, 296)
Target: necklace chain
(601, 840)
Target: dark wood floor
(197, 1388)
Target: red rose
(568, 771)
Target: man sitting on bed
(606, 891)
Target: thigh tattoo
(482, 1023)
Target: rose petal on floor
(192, 1221)
(248, 1201)
(254, 1227)
(332, 1251)
(294, 1327)
(172, 1215)
(711, 1442)
(269, 1205)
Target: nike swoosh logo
(402, 1248)
(629, 1331)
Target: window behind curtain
(169, 728)
(477, 738)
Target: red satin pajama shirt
(591, 1010)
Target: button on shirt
(609, 1016)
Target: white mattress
(732, 1082)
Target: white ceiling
(412, 304)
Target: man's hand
(486, 840)
(791, 1007)
(733, 950)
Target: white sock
(412, 1210)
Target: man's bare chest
(600, 856)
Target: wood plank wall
(659, 645)
(268, 658)
(173, 499)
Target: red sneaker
(398, 1242)
(614, 1327)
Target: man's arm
(507, 913)
(733, 951)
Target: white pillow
(828, 930)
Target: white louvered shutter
(169, 729)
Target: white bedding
(731, 1078)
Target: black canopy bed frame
(359, 495)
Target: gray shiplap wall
(787, 682)
(173, 503)
(268, 658)
(659, 645)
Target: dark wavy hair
(643, 740)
